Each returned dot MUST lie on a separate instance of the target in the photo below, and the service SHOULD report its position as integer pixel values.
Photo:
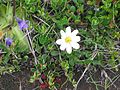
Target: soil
(20, 81)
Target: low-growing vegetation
(55, 39)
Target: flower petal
(75, 38)
(18, 20)
(8, 41)
(59, 41)
(69, 49)
(75, 32)
(25, 26)
(62, 33)
(68, 30)
(75, 45)
(62, 47)
(22, 23)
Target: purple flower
(8, 41)
(22, 23)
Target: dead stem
(93, 56)
(33, 52)
(63, 84)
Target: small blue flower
(8, 41)
(22, 23)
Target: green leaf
(54, 53)
(71, 62)
(43, 39)
(15, 62)
(65, 65)
(63, 21)
(6, 55)
(75, 1)
(70, 76)
(72, 8)
(95, 21)
(27, 1)
(20, 40)
(5, 15)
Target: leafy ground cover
(61, 38)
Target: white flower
(68, 40)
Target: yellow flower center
(68, 39)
